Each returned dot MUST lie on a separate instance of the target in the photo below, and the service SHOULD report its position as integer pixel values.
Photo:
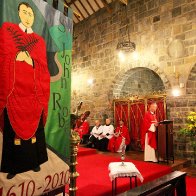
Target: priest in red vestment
(82, 125)
(148, 136)
(121, 138)
(24, 94)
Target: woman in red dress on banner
(148, 137)
(121, 137)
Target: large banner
(56, 29)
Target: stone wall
(164, 32)
(178, 108)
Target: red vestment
(148, 119)
(82, 129)
(115, 142)
(24, 89)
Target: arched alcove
(142, 81)
(139, 81)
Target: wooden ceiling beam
(71, 2)
(84, 8)
(78, 10)
(105, 3)
(77, 18)
(75, 13)
(124, 1)
(97, 4)
(90, 5)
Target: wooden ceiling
(84, 8)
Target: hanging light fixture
(125, 45)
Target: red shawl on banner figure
(121, 137)
(24, 87)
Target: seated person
(108, 131)
(121, 138)
(96, 131)
(82, 125)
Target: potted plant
(190, 129)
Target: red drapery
(137, 111)
(121, 112)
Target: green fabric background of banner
(57, 30)
(61, 5)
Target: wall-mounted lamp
(176, 91)
(135, 56)
(177, 76)
(90, 81)
(121, 56)
(177, 88)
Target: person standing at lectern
(148, 137)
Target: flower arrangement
(190, 129)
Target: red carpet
(190, 186)
(86, 151)
(94, 179)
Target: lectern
(165, 141)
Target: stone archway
(139, 80)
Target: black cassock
(24, 157)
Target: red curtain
(137, 111)
(117, 113)
(121, 112)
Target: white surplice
(108, 131)
(149, 152)
(96, 131)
